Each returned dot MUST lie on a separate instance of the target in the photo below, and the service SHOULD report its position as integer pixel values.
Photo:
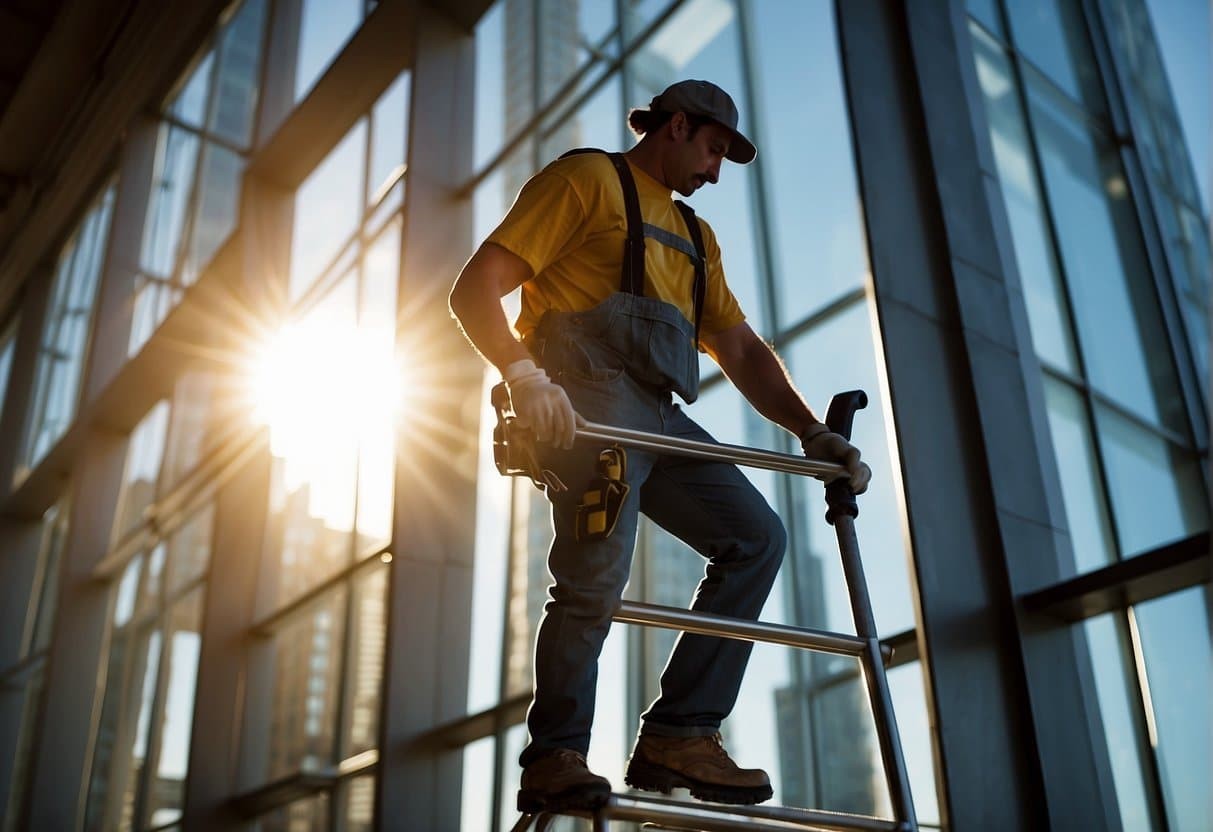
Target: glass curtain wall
(65, 332)
(141, 747)
(553, 76)
(327, 395)
(206, 132)
(1129, 450)
(21, 682)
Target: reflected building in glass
(257, 571)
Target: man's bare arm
(475, 301)
(757, 372)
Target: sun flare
(324, 387)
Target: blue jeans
(709, 505)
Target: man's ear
(679, 125)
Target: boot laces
(717, 746)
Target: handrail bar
(723, 452)
(711, 624)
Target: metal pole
(737, 454)
(873, 672)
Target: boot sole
(650, 777)
(579, 797)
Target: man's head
(692, 125)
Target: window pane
(366, 661)
(192, 429)
(1120, 713)
(1157, 492)
(189, 550)
(176, 161)
(166, 788)
(66, 330)
(1082, 492)
(239, 66)
(1044, 293)
(190, 104)
(1115, 302)
(835, 356)
(217, 208)
(914, 725)
(571, 34)
(315, 467)
(1175, 639)
(328, 208)
(310, 814)
(475, 808)
(1052, 34)
(376, 426)
(492, 86)
(326, 26)
(389, 137)
(815, 224)
(493, 495)
(144, 453)
(359, 815)
(307, 664)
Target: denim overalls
(620, 362)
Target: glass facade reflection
(220, 606)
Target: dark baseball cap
(703, 98)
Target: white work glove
(541, 404)
(821, 443)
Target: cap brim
(741, 150)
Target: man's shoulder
(583, 163)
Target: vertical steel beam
(1011, 695)
(430, 583)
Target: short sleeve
(546, 221)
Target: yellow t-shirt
(569, 224)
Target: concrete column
(1011, 696)
(431, 576)
(75, 677)
(224, 658)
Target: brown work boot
(659, 764)
(561, 780)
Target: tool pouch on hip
(603, 499)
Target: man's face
(698, 158)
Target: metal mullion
(1143, 715)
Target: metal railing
(515, 457)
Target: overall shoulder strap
(700, 288)
(632, 276)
